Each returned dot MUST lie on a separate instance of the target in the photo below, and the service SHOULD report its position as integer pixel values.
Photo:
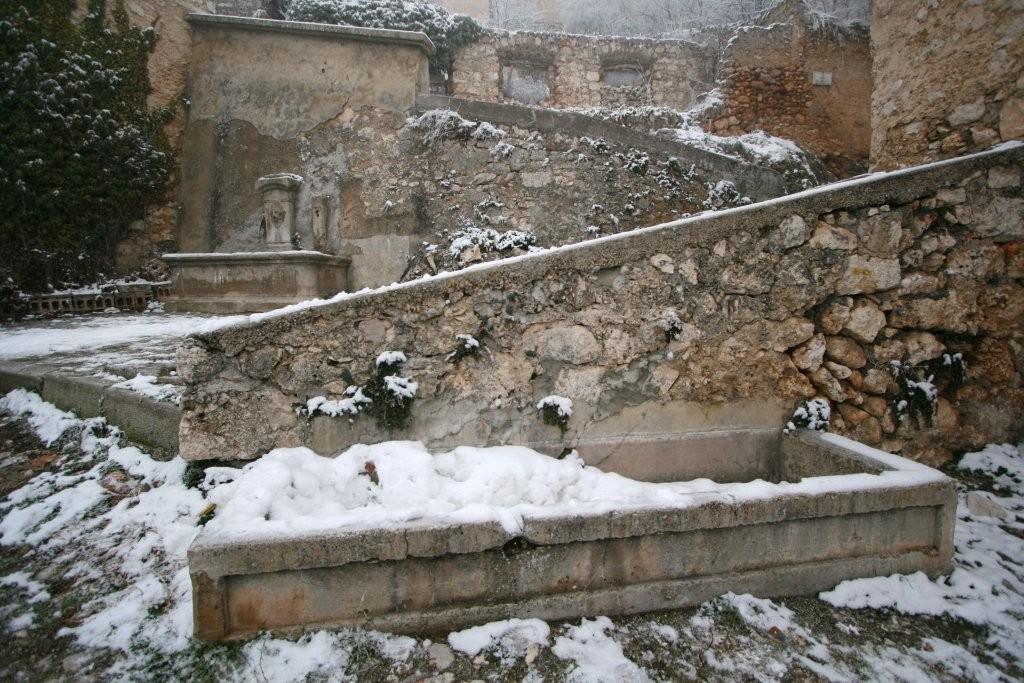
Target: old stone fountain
(278, 274)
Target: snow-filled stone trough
(393, 538)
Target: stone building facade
(332, 105)
(562, 70)
(806, 84)
(790, 77)
(949, 78)
(721, 321)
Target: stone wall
(392, 186)
(949, 77)
(583, 71)
(260, 90)
(806, 85)
(725, 320)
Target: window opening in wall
(438, 82)
(526, 83)
(623, 76)
(821, 78)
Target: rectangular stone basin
(252, 282)
(844, 511)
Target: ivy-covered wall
(82, 153)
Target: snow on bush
(468, 345)
(488, 239)
(82, 156)
(555, 411)
(671, 323)
(814, 414)
(449, 32)
(390, 359)
(400, 387)
(918, 386)
(445, 124)
(724, 194)
(352, 404)
(387, 396)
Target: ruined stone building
(548, 139)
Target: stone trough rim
(906, 484)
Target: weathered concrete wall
(767, 81)
(949, 78)
(672, 72)
(257, 89)
(804, 295)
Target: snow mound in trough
(294, 490)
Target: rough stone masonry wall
(387, 191)
(766, 83)
(675, 71)
(776, 302)
(949, 78)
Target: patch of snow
(46, 420)
(92, 332)
(510, 636)
(36, 591)
(986, 586)
(148, 386)
(21, 622)
(598, 657)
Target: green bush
(449, 32)
(80, 154)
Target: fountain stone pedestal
(250, 282)
(247, 282)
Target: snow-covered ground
(94, 583)
(127, 350)
(89, 334)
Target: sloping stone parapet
(752, 181)
(765, 310)
(868, 514)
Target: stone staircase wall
(767, 305)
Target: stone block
(811, 537)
